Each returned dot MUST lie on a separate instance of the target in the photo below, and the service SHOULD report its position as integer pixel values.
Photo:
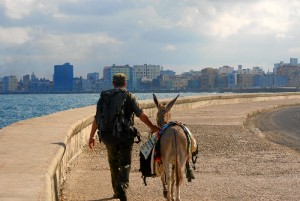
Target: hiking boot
(189, 173)
(123, 197)
(122, 193)
(116, 195)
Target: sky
(180, 35)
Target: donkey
(173, 150)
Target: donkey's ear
(155, 100)
(171, 103)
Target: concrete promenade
(236, 162)
(37, 154)
(31, 153)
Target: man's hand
(91, 142)
(93, 130)
(154, 129)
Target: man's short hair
(119, 79)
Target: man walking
(115, 121)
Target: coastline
(217, 90)
(16, 107)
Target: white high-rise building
(145, 72)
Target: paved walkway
(234, 162)
(27, 149)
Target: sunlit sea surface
(18, 107)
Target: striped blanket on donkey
(150, 159)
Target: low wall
(35, 153)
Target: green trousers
(119, 159)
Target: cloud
(36, 34)
(18, 9)
(169, 47)
(14, 36)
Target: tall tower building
(63, 78)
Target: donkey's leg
(163, 178)
(178, 190)
(173, 181)
(183, 158)
(167, 171)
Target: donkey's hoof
(165, 193)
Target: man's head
(119, 80)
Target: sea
(17, 107)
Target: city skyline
(293, 61)
(179, 35)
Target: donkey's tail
(177, 168)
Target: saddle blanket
(148, 146)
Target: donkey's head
(164, 111)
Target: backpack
(145, 167)
(146, 151)
(112, 118)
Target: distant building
(145, 72)
(109, 71)
(232, 80)
(225, 70)
(9, 84)
(280, 81)
(193, 79)
(223, 77)
(281, 64)
(40, 86)
(245, 81)
(258, 71)
(289, 70)
(270, 81)
(93, 76)
(293, 61)
(77, 84)
(263, 81)
(191, 74)
(245, 77)
(209, 79)
(194, 84)
(180, 83)
(63, 78)
(26, 79)
(26, 82)
(33, 77)
(223, 81)
(167, 72)
(292, 73)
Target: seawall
(35, 153)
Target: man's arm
(143, 117)
(92, 134)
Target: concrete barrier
(35, 153)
